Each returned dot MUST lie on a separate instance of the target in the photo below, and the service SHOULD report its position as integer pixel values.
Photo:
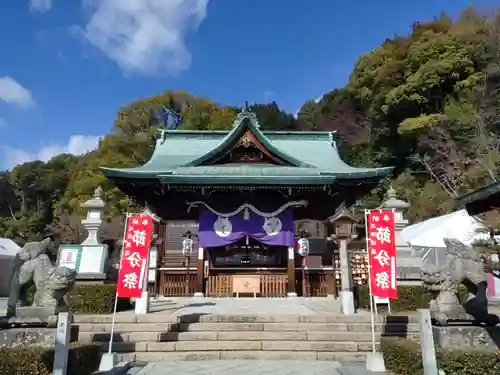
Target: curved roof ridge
(247, 120)
(348, 169)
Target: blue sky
(67, 66)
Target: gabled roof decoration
(182, 157)
(246, 120)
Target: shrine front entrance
(247, 268)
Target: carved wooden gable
(248, 149)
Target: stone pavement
(249, 306)
(281, 367)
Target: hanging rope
(249, 206)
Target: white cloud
(77, 145)
(40, 5)
(316, 100)
(12, 92)
(144, 36)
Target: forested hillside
(428, 103)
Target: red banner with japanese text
(382, 253)
(134, 259)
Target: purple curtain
(221, 231)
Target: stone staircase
(163, 337)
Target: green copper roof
(313, 157)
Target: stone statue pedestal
(40, 312)
(28, 329)
(34, 316)
(466, 337)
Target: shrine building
(244, 197)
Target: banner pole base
(347, 302)
(108, 362)
(375, 362)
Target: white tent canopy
(426, 238)
(8, 248)
(8, 251)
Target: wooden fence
(173, 284)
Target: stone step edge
(246, 326)
(243, 318)
(202, 346)
(251, 330)
(350, 357)
(133, 337)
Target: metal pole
(188, 261)
(370, 282)
(116, 295)
(308, 284)
(303, 276)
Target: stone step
(136, 337)
(346, 357)
(242, 318)
(210, 346)
(247, 327)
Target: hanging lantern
(187, 246)
(303, 244)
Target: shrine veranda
(245, 195)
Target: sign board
(70, 256)
(153, 260)
(246, 284)
(134, 259)
(93, 258)
(382, 253)
(381, 301)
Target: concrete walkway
(249, 306)
(248, 368)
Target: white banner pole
(117, 281)
(370, 281)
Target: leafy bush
(92, 299)
(410, 298)
(39, 360)
(403, 357)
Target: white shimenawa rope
(301, 203)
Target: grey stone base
(467, 337)
(29, 335)
(33, 316)
(38, 312)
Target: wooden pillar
(291, 272)
(200, 264)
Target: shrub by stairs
(162, 337)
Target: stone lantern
(344, 228)
(93, 220)
(408, 264)
(93, 253)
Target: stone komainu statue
(51, 284)
(463, 265)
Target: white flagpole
(394, 272)
(117, 281)
(370, 281)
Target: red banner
(133, 263)
(382, 253)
